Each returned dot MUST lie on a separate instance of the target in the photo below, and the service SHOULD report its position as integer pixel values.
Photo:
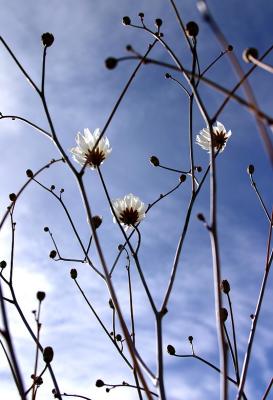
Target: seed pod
(154, 161)
(48, 354)
(73, 273)
(192, 29)
(225, 286)
(126, 21)
(99, 383)
(171, 350)
(111, 62)
(40, 296)
(47, 39)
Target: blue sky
(152, 119)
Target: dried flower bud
(40, 296)
(38, 381)
(129, 47)
(168, 76)
(99, 383)
(250, 169)
(192, 29)
(12, 197)
(97, 221)
(3, 264)
(190, 339)
(48, 354)
(47, 39)
(120, 247)
(141, 15)
(118, 337)
(111, 62)
(201, 217)
(73, 273)
(154, 161)
(52, 187)
(182, 178)
(53, 254)
(29, 173)
(46, 229)
(251, 51)
(171, 350)
(230, 48)
(225, 286)
(111, 304)
(126, 21)
(199, 168)
(158, 22)
(223, 314)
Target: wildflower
(219, 137)
(129, 211)
(84, 153)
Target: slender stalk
(10, 365)
(268, 263)
(216, 86)
(37, 348)
(253, 184)
(13, 359)
(234, 337)
(261, 64)
(102, 324)
(268, 389)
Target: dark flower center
(95, 157)
(129, 216)
(219, 139)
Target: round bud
(107, 390)
(99, 383)
(3, 264)
(62, 190)
(252, 316)
(225, 286)
(53, 254)
(39, 381)
(230, 48)
(52, 187)
(154, 161)
(192, 29)
(182, 178)
(141, 15)
(29, 173)
(129, 47)
(12, 197)
(158, 22)
(201, 217)
(251, 51)
(40, 296)
(46, 229)
(223, 314)
(126, 21)
(171, 350)
(111, 62)
(167, 75)
(111, 304)
(190, 339)
(48, 354)
(250, 169)
(118, 337)
(47, 39)
(73, 273)
(97, 221)
(120, 247)
(199, 168)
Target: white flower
(129, 210)
(84, 151)
(220, 137)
